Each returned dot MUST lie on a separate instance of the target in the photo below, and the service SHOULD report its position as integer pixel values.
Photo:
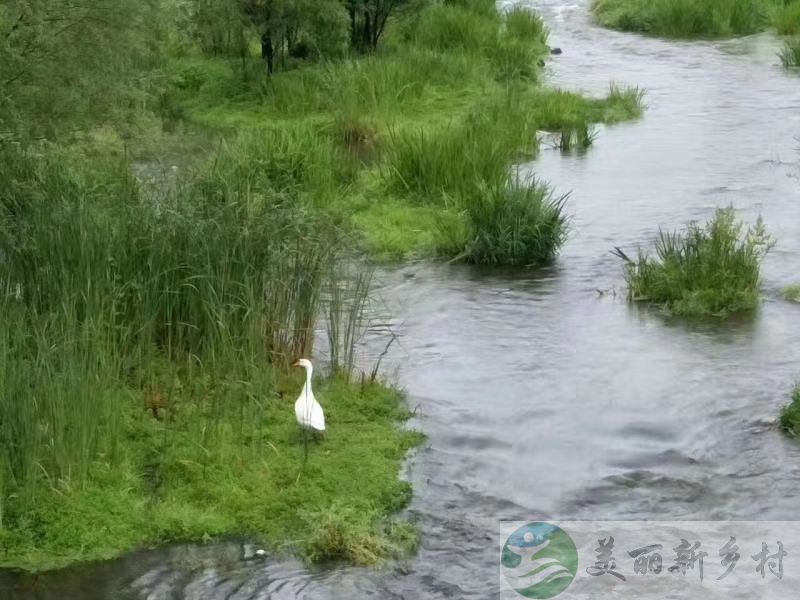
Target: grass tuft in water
(790, 414)
(514, 223)
(710, 269)
(790, 53)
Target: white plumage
(307, 410)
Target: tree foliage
(368, 19)
(61, 60)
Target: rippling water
(543, 398)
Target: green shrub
(515, 224)
(706, 270)
(792, 293)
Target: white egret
(307, 410)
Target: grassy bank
(144, 392)
(439, 114)
(706, 270)
(790, 53)
(690, 19)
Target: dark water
(541, 397)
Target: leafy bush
(790, 415)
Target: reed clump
(514, 223)
(790, 53)
(711, 269)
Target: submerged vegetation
(706, 270)
(444, 108)
(692, 19)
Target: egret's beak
(296, 363)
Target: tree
(368, 19)
(64, 62)
(297, 28)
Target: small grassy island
(189, 192)
(690, 19)
(711, 270)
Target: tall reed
(109, 290)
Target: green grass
(514, 223)
(144, 394)
(692, 19)
(790, 53)
(710, 269)
(790, 414)
(786, 18)
(792, 293)
(447, 107)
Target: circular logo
(539, 560)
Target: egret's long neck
(309, 372)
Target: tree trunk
(367, 32)
(353, 26)
(267, 52)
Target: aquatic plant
(710, 269)
(514, 223)
(576, 138)
(790, 53)
(142, 352)
(790, 414)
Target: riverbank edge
(344, 502)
